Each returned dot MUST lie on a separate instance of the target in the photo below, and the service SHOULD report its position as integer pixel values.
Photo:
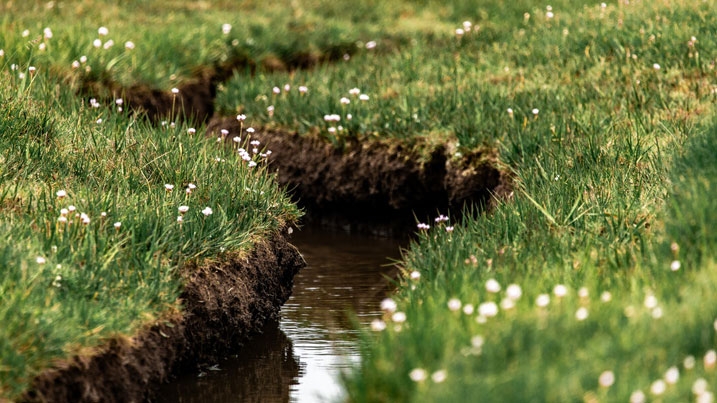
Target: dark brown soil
(226, 301)
(376, 178)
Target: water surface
(300, 358)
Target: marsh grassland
(590, 276)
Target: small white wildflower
(364, 97)
(415, 275)
(62, 219)
(700, 386)
(183, 209)
(492, 286)
(276, 90)
(650, 301)
(560, 290)
(460, 32)
(710, 359)
(71, 208)
(40, 260)
(488, 309)
(606, 379)
(468, 309)
(117, 225)
(180, 219)
(250, 130)
(388, 305)
(675, 265)
(349, 116)
(606, 296)
(658, 387)
(354, 91)
(175, 90)
(657, 313)
(191, 130)
(207, 211)
(672, 375)
(514, 292)
(507, 304)
(689, 362)
(583, 292)
(705, 397)
(418, 375)
(47, 33)
(129, 45)
(241, 118)
(581, 314)
(75, 64)
(656, 66)
(370, 44)
(61, 194)
(226, 29)
(377, 325)
(477, 341)
(287, 87)
(454, 304)
(168, 187)
(303, 89)
(398, 317)
(97, 43)
(103, 31)
(108, 44)
(83, 59)
(439, 376)
(345, 101)
(26, 33)
(536, 111)
(638, 396)
(542, 300)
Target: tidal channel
(300, 358)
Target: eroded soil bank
(226, 301)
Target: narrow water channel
(300, 358)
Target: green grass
(613, 181)
(68, 285)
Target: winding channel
(300, 359)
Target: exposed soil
(376, 178)
(225, 301)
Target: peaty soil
(225, 302)
(373, 178)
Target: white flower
(418, 375)
(514, 292)
(549, 15)
(581, 314)
(354, 91)
(439, 376)
(675, 265)
(415, 275)
(236, 139)
(650, 301)
(468, 309)
(183, 209)
(606, 296)
(637, 396)
(672, 375)
(62, 219)
(168, 187)
(606, 379)
(40, 260)
(102, 31)
(536, 111)
(129, 45)
(583, 292)
(699, 386)
(83, 59)
(542, 300)
(207, 211)
(507, 304)
(398, 317)
(658, 387)
(705, 397)
(388, 305)
(191, 186)
(47, 33)
(345, 101)
(689, 362)
(71, 208)
(175, 90)
(180, 219)
(488, 309)
(226, 29)
(510, 112)
(61, 194)
(492, 286)
(560, 290)
(454, 304)
(241, 118)
(378, 325)
(276, 90)
(364, 97)
(460, 32)
(710, 359)
(117, 225)
(370, 44)
(287, 87)
(75, 64)
(191, 130)
(97, 43)
(250, 130)
(108, 44)
(656, 66)
(477, 341)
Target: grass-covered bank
(100, 211)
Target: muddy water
(300, 358)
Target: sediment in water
(225, 301)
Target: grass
(93, 244)
(603, 115)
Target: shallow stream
(300, 358)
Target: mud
(226, 301)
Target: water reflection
(300, 360)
